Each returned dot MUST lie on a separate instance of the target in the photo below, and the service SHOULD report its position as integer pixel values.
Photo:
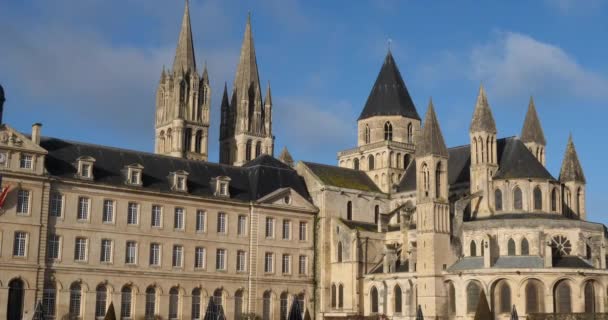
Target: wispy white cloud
(575, 6)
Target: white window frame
(51, 244)
(153, 212)
(303, 265)
(106, 251)
(112, 209)
(26, 161)
(286, 229)
(81, 250)
(286, 263)
(303, 236)
(201, 221)
(222, 223)
(82, 202)
(130, 216)
(269, 231)
(24, 200)
(155, 259)
(179, 216)
(177, 256)
(131, 252)
(242, 225)
(56, 205)
(220, 259)
(241, 261)
(268, 262)
(20, 245)
(200, 258)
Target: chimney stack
(36, 133)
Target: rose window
(561, 246)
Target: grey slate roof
(482, 116)
(571, 167)
(514, 161)
(431, 140)
(359, 225)
(343, 177)
(389, 96)
(2, 98)
(256, 179)
(518, 262)
(532, 131)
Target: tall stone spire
(247, 79)
(571, 167)
(184, 53)
(483, 121)
(431, 140)
(532, 130)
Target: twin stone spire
(183, 103)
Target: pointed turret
(483, 121)
(247, 77)
(571, 167)
(205, 76)
(225, 101)
(268, 98)
(184, 54)
(286, 157)
(532, 130)
(431, 140)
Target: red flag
(3, 195)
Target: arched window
(266, 306)
(367, 134)
(534, 293)
(248, 148)
(511, 247)
(283, 306)
(198, 141)
(333, 295)
(339, 255)
(567, 200)
(126, 302)
(590, 301)
(218, 297)
(388, 131)
(525, 247)
(173, 303)
(376, 214)
(498, 199)
(374, 300)
(238, 304)
(473, 248)
(426, 184)
(517, 199)
(398, 304)
(406, 161)
(399, 161)
(188, 140)
(370, 162)
(356, 164)
(451, 299)
(150, 307)
(538, 199)
(473, 292)
(481, 152)
(554, 199)
(410, 133)
(563, 298)
(504, 305)
(101, 299)
(15, 299)
(75, 300)
(258, 149)
(349, 210)
(340, 296)
(438, 176)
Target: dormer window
(85, 167)
(221, 186)
(134, 174)
(179, 181)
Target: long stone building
(402, 225)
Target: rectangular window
(178, 254)
(200, 221)
(199, 258)
(80, 249)
(19, 244)
(56, 205)
(134, 177)
(303, 230)
(83, 208)
(131, 252)
(240, 260)
(178, 219)
(23, 202)
(303, 265)
(221, 222)
(269, 227)
(223, 188)
(25, 162)
(268, 262)
(155, 254)
(54, 245)
(86, 170)
(106, 251)
(156, 216)
(286, 263)
(132, 213)
(286, 229)
(220, 259)
(181, 183)
(242, 226)
(108, 211)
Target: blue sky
(88, 69)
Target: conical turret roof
(483, 121)
(247, 76)
(286, 157)
(431, 140)
(532, 130)
(389, 96)
(571, 166)
(184, 53)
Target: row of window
(518, 199)
(337, 291)
(388, 132)
(286, 229)
(285, 263)
(525, 248)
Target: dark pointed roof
(571, 166)
(2, 98)
(532, 130)
(389, 96)
(184, 53)
(225, 102)
(482, 116)
(431, 140)
(247, 75)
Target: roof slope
(251, 182)
(389, 95)
(532, 130)
(431, 139)
(342, 177)
(483, 120)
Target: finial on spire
(388, 44)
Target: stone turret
(286, 157)
(532, 133)
(573, 181)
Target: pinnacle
(184, 53)
(286, 157)
(431, 139)
(571, 167)
(247, 70)
(483, 120)
(268, 99)
(532, 130)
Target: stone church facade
(401, 225)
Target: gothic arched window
(374, 300)
(356, 164)
(590, 303)
(340, 296)
(150, 306)
(376, 214)
(367, 134)
(426, 184)
(333, 295)
(258, 149)
(451, 299)
(525, 247)
(579, 201)
(388, 131)
(538, 199)
(410, 133)
(248, 147)
(554, 199)
(188, 140)
(438, 176)
(370, 162)
(534, 293)
(563, 298)
(349, 210)
(339, 254)
(511, 247)
(498, 199)
(517, 199)
(75, 300)
(198, 141)
(173, 303)
(473, 292)
(398, 304)
(473, 248)
(505, 298)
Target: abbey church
(401, 227)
